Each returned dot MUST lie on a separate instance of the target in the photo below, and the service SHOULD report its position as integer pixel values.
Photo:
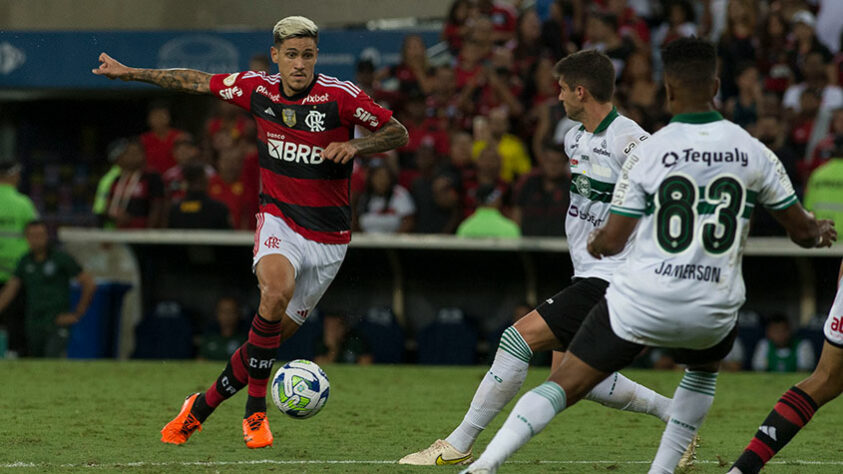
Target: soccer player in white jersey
(597, 151)
(797, 405)
(304, 122)
(693, 186)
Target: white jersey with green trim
(694, 185)
(596, 160)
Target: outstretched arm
(185, 80)
(392, 135)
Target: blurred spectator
(461, 164)
(680, 23)
(734, 360)
(435, 195)
(231, 119)
(260, 62)
(136, 198)
(488, 166)
(487, 220)
(804, 43)
(815, 76)
(158, 141)
(515, 160)
(602, 34)
(826, 148)
(364, 76)
(772, 55)
(772, 132)
(802, 126)
(420, 128)
(104, 189)
(223, 338)
(229, 187)
(557, 31)
(638, 89)
(413, 72)
(44, 273)
(542, 198)
(502, 16)
(541, 90)
(185, 152)
(527, 47)
(737, 45)
(552, 125)
(341, 345)
(17, 210)
(779, 351)
(385, 206)
(196, 210)
(456, 25)
(824, 192)
(443, 103)
(629, 23)
(743, 108)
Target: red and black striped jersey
(310, 193)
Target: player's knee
(274, 301)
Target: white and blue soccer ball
(300, 388)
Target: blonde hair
(295, 27)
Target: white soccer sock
(691, 402)
(497, 388)
(531, 414)
(617, 391)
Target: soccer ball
(300, 388)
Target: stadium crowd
(486, 127)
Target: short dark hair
(193, 173)
(33, 223)
(591, 69)
(690, 61)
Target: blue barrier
(96, 335)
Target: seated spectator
(502, 16)
(487, 220)
(802, 126)
(44, 273)
(826, 148)
(824, 192)
(420, 128)
(339, 345)
(542, 198)
(515, 159)
(681, 23)
(229, 186)
(136, 197)
(158, 141)
(443, 102)
(527, 47)
(602, 34)
(772, 55)
(228, 118)
(780, 351)
(385, 206)
(743, 108)
(737, 45)
(185, 152)
(557, 32)
(493, 85)
(456, 25)
(413, 72)
(196, 210)
(435, 196)
(461, 166)
(487, 167)
(815, 77)
(804, 42)
(226, 336)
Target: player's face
(568, 97)
(37, 237)
(296, 59)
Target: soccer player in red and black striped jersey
(305, 130)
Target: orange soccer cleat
(183, 425)
(256, 431)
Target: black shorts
(598, 345)
(566, 310)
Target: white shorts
(316, 264)
(834, 323)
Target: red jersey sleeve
(362, 110)
(235, 88)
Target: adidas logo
(269, 111)
(303, 312)
(769, 431)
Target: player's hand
(592, 250)
(111, 68)
(828, 234)
(339, 152)
(66, 319)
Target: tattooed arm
(185, 80)
(390, 136)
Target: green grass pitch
(103, 416)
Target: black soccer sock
(793, 411)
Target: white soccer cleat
(689, 457)
(440, 453)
